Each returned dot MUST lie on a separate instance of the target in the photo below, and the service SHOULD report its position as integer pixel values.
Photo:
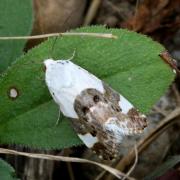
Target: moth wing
(102, 125)
(101, 116)
(94, 139)
(134, 121)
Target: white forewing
(125, 105)
(88, 139)
(66, 80)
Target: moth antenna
(58, 119)
(52, 47)
(72, 57)
(63, 24)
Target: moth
(101, 116)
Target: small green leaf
(130, 64)
(16, 20)
(6, 171)
(170, 163)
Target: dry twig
(130, 170)
(70, 170)
(159, 110)
(176, 94)
(135, 163)
(98, 35)
(135, 15)
(92, 11)
(113, 171)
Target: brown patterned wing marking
(134, 122)
(87, 134)
(101, 124)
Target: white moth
(100, 115)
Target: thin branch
(98, 35)
(135, 14)
(100, 176)
(113, 171)
(135, 162)
(159, 110)
(70, 170)
(167, 58)
(92, 11)
(176, 93)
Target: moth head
(50, 69)
(55, 74)
(49, 62)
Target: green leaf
(130, 64)
(170, 163)
(16, 20)
(37, 128)
(6, 171)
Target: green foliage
(16, 20)
(6, 171)
(170, 163)
(130, 64)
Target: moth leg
(58, 119)
(72, 57)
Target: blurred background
(158, 19)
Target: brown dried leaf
(153, 15)
(56, 16)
